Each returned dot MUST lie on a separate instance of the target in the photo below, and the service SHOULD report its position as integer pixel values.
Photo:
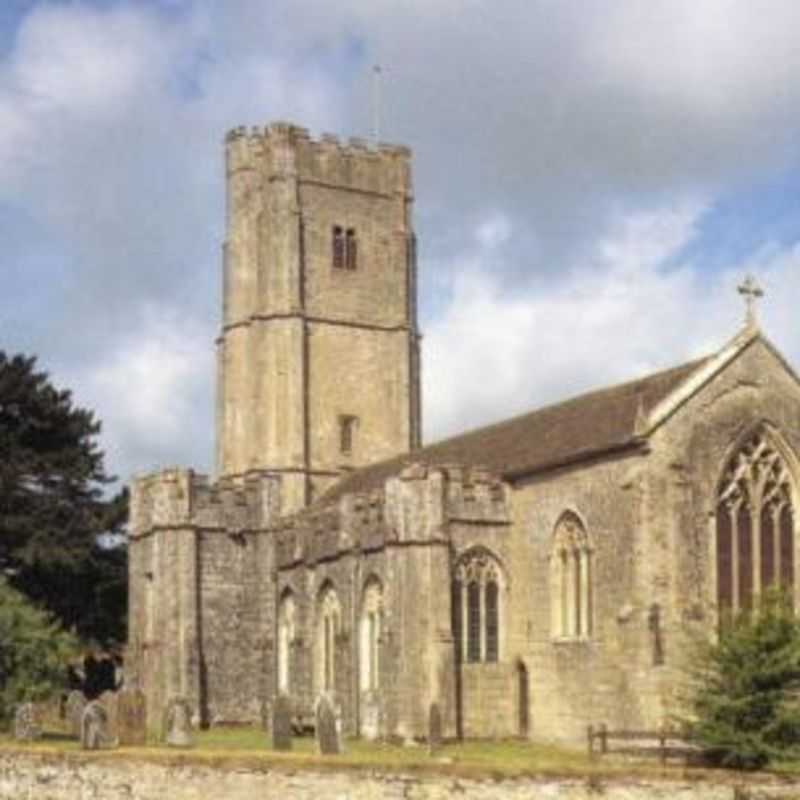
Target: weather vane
(377, 73)
(751, 292)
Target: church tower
(318, 358)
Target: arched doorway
(523, 700)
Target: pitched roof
(578, 428)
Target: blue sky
(592, 179)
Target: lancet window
(571, 565)
(286, 636)
(329, 621)
(755, 539)
(371, 625)
(476, 607)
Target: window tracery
(571, 579)
(476, 608)
(755, 539)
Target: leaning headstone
(328, 740)
(27, 724)
(178, 723)
(94, 727)
(434, 728)
(280, 732)
(131, 718)
(109, 701)
(372, 717)
(73, 710)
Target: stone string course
(29, 776)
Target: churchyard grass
(246, 747)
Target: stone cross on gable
(751, 292)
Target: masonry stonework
(529, 578)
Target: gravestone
(434, 728)
(280, 732)
(73, 711)
(372, 728)
(327, 729)
(131, 718)
(27, 724)
(265, 711)
(109, 701)
(178, 723)
(94, 727)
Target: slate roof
(587, 425)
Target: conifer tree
(52, 503)
(745, 696)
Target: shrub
(34, 652)
(744, 700)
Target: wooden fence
(664, 743)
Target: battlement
(181, 498)
(282, 150)
(435, 495)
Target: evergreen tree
(52, 506)
(34, 652)
(745, 696)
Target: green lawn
(244, 747)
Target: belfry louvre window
(345, 248)
(338, 247)
(571, 593)
(755, 537)
(476, 608)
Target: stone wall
(27, 776)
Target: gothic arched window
(755, 524)
(286, 635)
(329, 620)
(571, 580)
(476, 607)
(371, 625)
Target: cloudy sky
(593, 179)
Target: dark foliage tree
(54, 518)
(745, 690)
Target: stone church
(529, 578)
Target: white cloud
(544, 134)
(154, 393)
(494, 353)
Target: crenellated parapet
(417, 505)
(473, 494)
(422, 500)
(181, 498)
(284, 150)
